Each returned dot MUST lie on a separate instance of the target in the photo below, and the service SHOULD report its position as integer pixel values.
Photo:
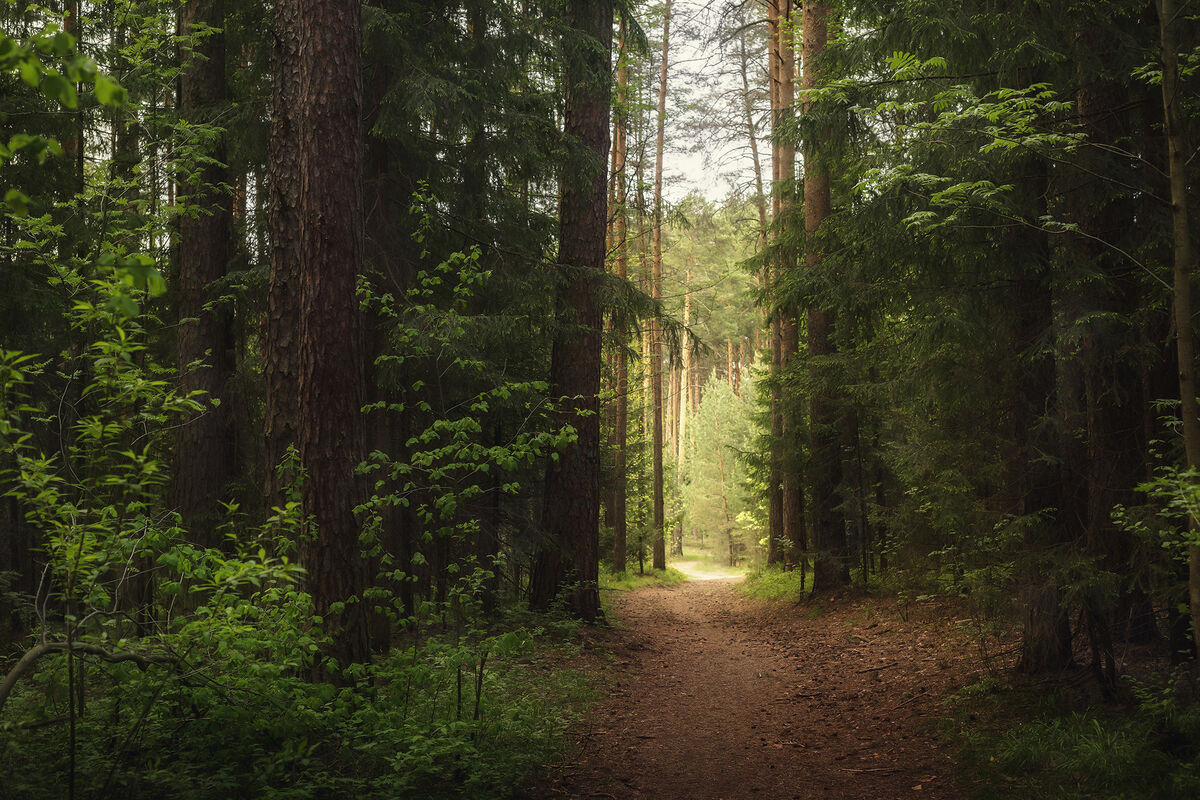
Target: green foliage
(1147, 751)
(438, 720)
(714, 494)
(775, 584)
(627, 581)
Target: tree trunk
(792, 510)
(1168, 14)
(330, 430)
(205, 457)
(776, 544)
(282, 327)
(831, 568)
(620, 234)
(656, 359)
(685, 378)
(571, 511)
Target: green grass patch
(1148, 749)
(628, 581)
(772, 583)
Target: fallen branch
(32, 656)
(914, 698)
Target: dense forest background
(345, 348)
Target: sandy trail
(715, 696)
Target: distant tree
(205, 448)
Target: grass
(774, 584)
(1013, 745)
(628, 581)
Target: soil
(713, 695)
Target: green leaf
(30, 72)
(56, 87)
(17, 202)
(62, 44)
(108, 91)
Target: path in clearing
(715, 696)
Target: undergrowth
(1145, 749)
(443, 719)
(628, 581)
(772, 583)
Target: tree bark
(205, 453)
(792, 508)
(1169, 15)
(571, 510)
(831, 568)
(330, 430)
(620, 234)
(776, 549)
(281, 335)
(656, 359)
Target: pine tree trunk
(656, 359)
(205, 456)
(831, 567)
(571, 510)
(1177, 156)
(330, 430)
(685, 377)
(620, 234)
(776, 544)
(281, 335)
(792, 510)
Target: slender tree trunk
(1169, 16)
(281, 336)
(776, 546)
(205, 457)
(760, 199)
(792, 508)
(330, 430)
(571, 511)
(656, 359)
(831, 567)
(685, 379)
(620, 234)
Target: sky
(704, 166)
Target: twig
(915, 697)
(878, 669)
(31, 657)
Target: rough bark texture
(571, 511)
(1036, 477)
(775, 543)
(620, 233)
(656, 359)
(792, 508)
(205, 454)
(330, 430)
(1110, 299)
(281, 336)
(1177, 157)
(831, 567)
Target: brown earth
(717, 696)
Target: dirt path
(715, 696)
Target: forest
(392, 393)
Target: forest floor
(713, 695)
